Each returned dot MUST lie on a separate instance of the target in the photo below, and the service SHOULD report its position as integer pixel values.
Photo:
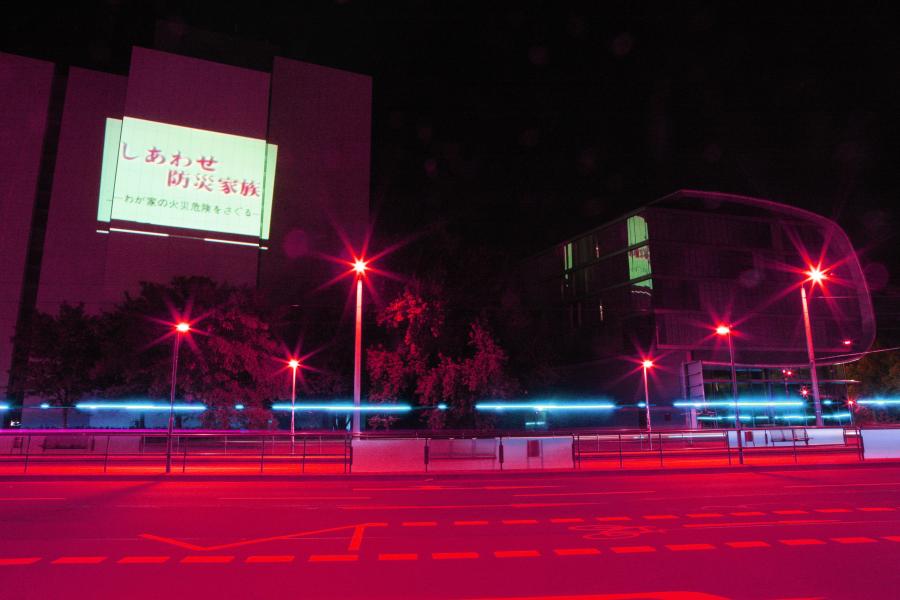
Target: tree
(64, 351)
(230, 357)
(425, 361)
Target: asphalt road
(773, 534)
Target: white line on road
(583, 493)
(25, 498)
(297, 498)
(821, 485)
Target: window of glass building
(637, 230)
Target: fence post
(621, 458)
(303, 458)
(27, 450)
(660, 449)
(262, 453)
(501, 453)
(106, 459)
(861, 444)
(575, 463)
(728, 446)
(794, 443)
(183, 455)
(425, 453)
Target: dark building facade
(55, 142)
(655, 283)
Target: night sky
(515, 125)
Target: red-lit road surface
(763, 534)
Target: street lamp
(293, 364)
(726, 331)
(814, 275)
(647, 364)
(359, 267)
(180, 329)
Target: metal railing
(143, 450)
(277, 452)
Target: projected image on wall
(167, 176)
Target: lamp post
(647, 364)
(180, 329)
(814, 275)
(726, 331)
(359, 266)
(293, 364)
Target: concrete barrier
(538, 453)
(881, 443)
(388, 456)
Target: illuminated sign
(171, 176)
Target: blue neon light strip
(4, 406)
(144, 406)
(880, 401)
(344, 407)
(545, 406)
(740, 403)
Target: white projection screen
(171, 180)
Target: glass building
(657, 282)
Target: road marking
(632, 549)
(704, 515)
(333, 557)
(516, 553)
(572, 520)
(296, 498)
(269, 558)
(419, 523)
(576, 551)
(453, 555)
(30, 499)
(143, 560)
(519, 521)
(437, 488)
(832, 510)
(790, 512)
(660, 517)
(355, 539)
(583, 493)
(853, 540)
(689, 547)
(758, 523)
(18, 561)
(214, 559)
(749, 544)
(78, 560)
(410, 556)
(612, 518)
(470, 523)
(877, 509)
(749, 513)
(802, 542)
(892, 538)
(821, 485)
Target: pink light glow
(359, 266)
(647, 364)
(723, 330)
(183, 327)
(293, 363)
(816, 274)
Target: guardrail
(417, 451)
(139, 450)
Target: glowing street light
(359, 267)
(726, 331)
(293, 364)
(647, 364)
(180, 329)
(814, 275)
